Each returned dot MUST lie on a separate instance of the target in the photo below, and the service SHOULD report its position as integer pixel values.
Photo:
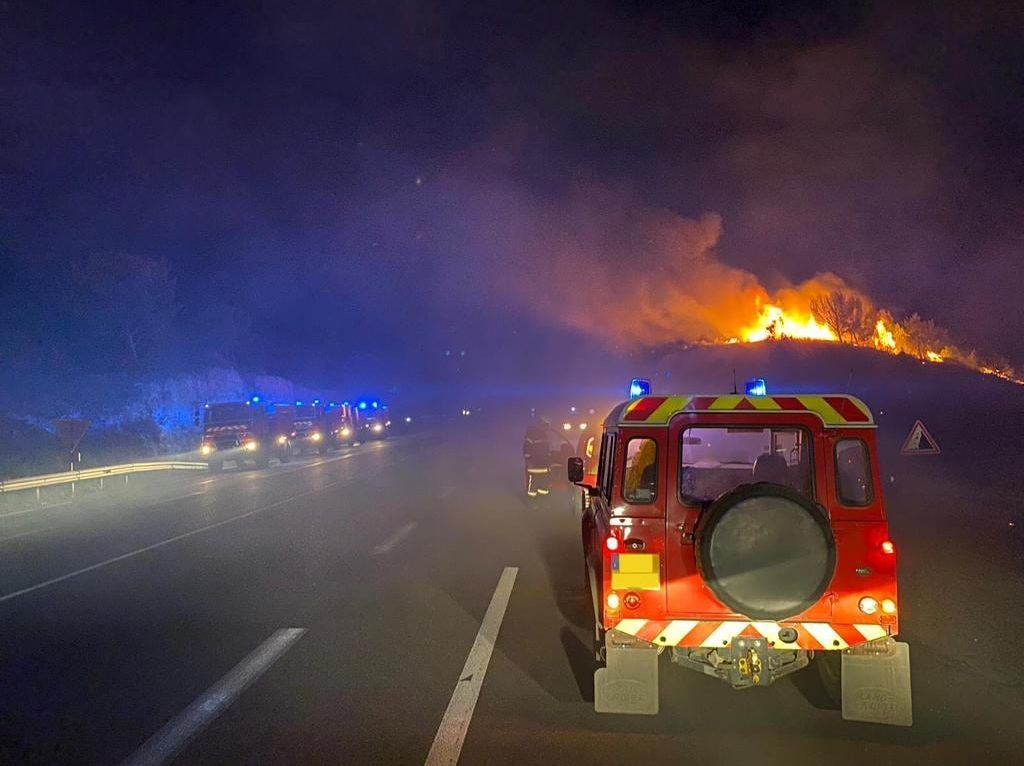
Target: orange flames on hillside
(844, 316)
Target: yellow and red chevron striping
(816, 636)
(834, 410)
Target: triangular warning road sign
(920, 442)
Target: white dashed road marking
(395, 539)
(172, 738)
(451, 733)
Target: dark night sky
(405, 174)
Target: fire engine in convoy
(244, 431)
(745, 537)
(340, 425)
(307, 431)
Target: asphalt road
(324, 611)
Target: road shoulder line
(447, 745)
(162, 543)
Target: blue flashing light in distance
(316, 401)
(376, 405)
(362, 405)
(298, 403)
(256, 398)
(639, 387)
(757, 387)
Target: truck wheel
(600, 650)
(216, 466)
(829, 666)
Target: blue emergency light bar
(639, 387)
(757, 387)
(362, 405)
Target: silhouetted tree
(843, 313)
(919, 336)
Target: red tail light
(887, 547)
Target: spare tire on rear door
(766, 551)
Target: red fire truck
(244, 431)
(340, 425)
(745, 536)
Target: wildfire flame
(774, 322)
(883, 337)
(789, 316)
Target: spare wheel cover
(765, 551)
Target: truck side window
(640, 477)
(606, 470)
(853, 473)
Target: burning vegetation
(844, 316)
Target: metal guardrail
(70, 477)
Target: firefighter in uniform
(537, 455)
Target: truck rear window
(853, 473)
(640, 476)
(717, 459)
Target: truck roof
(834, 410)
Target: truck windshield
(718, 459)
(227, 413)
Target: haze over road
(325, 611)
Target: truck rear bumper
(716, 634)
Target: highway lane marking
(27, 534)
(176, 733)
(162, 543)
(447, 745)
(395, 539)
(162, 501)
(44, 507)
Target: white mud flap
(876, 684)
(629, 681)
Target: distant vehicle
(307, 429)
(340, 425)
(374, 419)
(244, 432)
(747, 537)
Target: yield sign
(70, 432)
(920, 442)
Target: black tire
(829, 666)
(215, 466)
(600, 650)
(765, 551)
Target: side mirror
(574, 469)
